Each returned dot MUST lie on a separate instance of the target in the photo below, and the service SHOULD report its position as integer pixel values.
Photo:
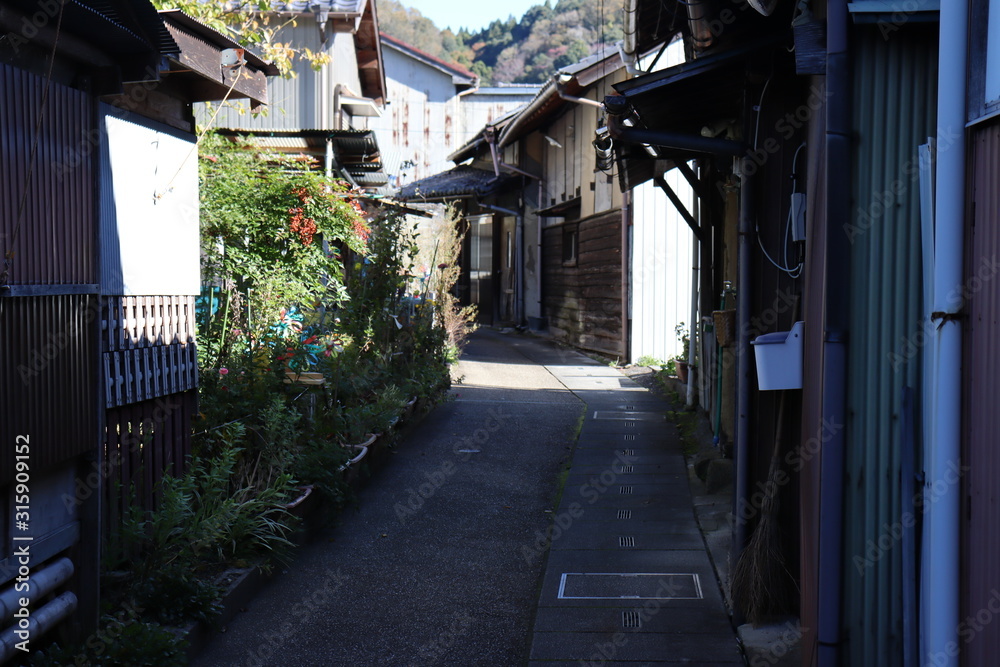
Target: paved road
(441, 580)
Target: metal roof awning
(199, 63)
(356, 151)
(662, 115)
(360, 106)
(562, 209)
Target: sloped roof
(459, 74)
(313, 6)
(548, 101)
(456, 183)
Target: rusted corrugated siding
(55, 241)
(47, 381)
(981, 525)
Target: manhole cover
(629, 586)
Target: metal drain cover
(624, 514)
(631, 619)
(629, 415)
(626, 541)
(629, 586)
(625, 490)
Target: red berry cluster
(301, 225)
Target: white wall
(661, 259)
(149, 208)
(420, 123)
(661, 269)
(426, 120)
(304, 102)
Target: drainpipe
(837, 314)
(41, 621)
(628, 47)
(940, 569)
(693, 328)
(38, 585)
(626, 263)
(338, 116)
(538, 254)
(741, 447)
(698, 22)
(578, 100)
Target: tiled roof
(461, 181)
(312, 6)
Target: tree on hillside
(525, 50)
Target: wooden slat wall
(583, 302)
(149, 348)
(143, 442)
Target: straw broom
(761, 584)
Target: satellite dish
(765, 7)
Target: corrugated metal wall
(55, 239)
(981, 529)
(47, 378)
(894, 103)
(661, 269)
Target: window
(992, 92)
(570, 242)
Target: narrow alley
(444, 560)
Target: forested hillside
(524, 50)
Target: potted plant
(681, 361)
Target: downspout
(41, 621)
(693, 329)
(626, 264)
(836, 316)
(698, 22)
(538, 255)
(940, 568)
(578, 100)
(338, 116)
(628, 48)
(741, 446)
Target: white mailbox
(779, 359)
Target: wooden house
(324, 112)
(100, 231)
(861, 204)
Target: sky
(471, 14)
